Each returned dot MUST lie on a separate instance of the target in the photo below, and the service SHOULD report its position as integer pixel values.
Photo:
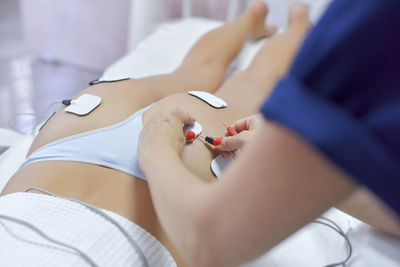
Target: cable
(337, 229)
(49, 59)
(38, 116)
(33, 242)
(105, 216)
(66, 102)
(99, 212)
(42, 234)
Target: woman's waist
(100, 186)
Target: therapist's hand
(163, 135)
(245, 128)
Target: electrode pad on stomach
(219, 164)
(210, 99)
(84, 104)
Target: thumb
(232, 143)
(183, 116)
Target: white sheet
(146, 15)
(77, 226)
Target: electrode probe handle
(230, 130)
(213, 141)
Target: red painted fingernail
(190, 135)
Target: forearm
(248, 211)
(176, 194)
(190, 211)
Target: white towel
(75, 225)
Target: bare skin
(362, 204)
(278, 184)
(203, 69)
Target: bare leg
(270, 63)
(205, 65)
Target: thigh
(186, 78)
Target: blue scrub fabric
(342, 93)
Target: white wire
(83, 255)
(108, 218)
(334, 226)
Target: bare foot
(257, 12)
(280, 51)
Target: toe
(259, 7)
(299, 14)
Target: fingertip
(225, 154)
(190, 121)
(189, 118)
(185, 117)
(222, 145)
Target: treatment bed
(313, 245)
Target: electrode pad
(219, 164)
(210, 99)
(84, 104)
(192, 131)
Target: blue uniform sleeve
(342, 94)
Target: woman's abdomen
(108, 188)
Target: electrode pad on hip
(210, 99)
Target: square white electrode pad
(84, 104)
(219, 164)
